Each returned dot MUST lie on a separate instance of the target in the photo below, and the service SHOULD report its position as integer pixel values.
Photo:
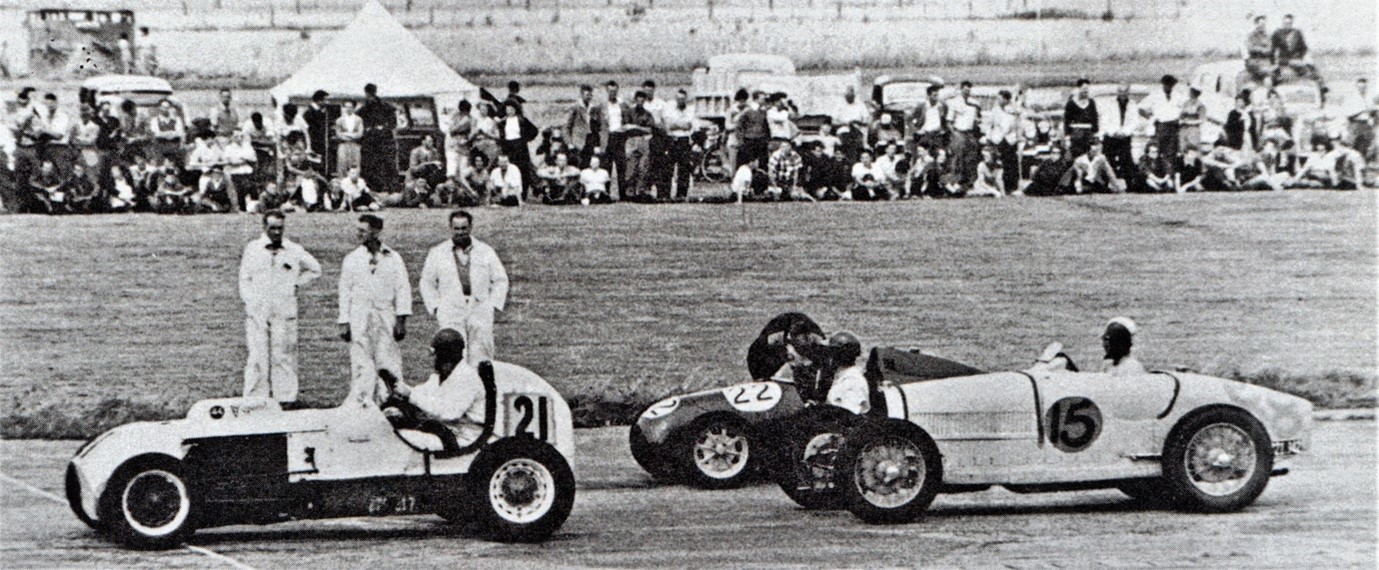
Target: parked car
(247, 461)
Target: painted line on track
(61, 501)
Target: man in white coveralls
(462, 283)
(270, 272)
(375, 301)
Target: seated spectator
(824, 177)
(302, 178)
(272, 198)
(123, 196)
(83, 196)
(988, 181)
(868, 182)
(354, 192)
(1053, 176)
(1349, 165)
(1271, 169)
(1187, 174)
(594, 181)
(560, 180)
(552, 143)
(1155, 172)
(239, 158)
(46, 185)
(1221, 167)
(1331, 165)
(885, 130)
(922, 167)
(216, 193)
(890, 165)
(424, 163)
(474, 176)
(454, 193)
(1094, 173)
(749, 183)
(784, 167)
(171, 196)
(825, 139)
(506, 182)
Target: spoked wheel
(521, 489)
(807, 466)
(1218, 461)
(716, 452)
(148, 504)
(889, 473)
(713, 166)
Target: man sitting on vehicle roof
(449, 405)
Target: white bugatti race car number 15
(757, 397)
(530, 414)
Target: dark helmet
(845, 346)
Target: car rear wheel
(1218, 461)
(889, 472)
(714, 452)
(806, 467)
(521, 489)
(148, 504)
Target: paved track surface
(1321, 515)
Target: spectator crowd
(607, 147)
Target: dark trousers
(1118, 156)
(1166, 136)
(520, 156)
(615, 160)
(753, 150)
(591, 141)
(681, 159)
(659, 165)
(378, 161)
(1079, 140)
(1010, 166)
(965, 157)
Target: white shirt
(442, 291)
(1161, 107)
(933, 120)
(1115, 125)
(679, 123)
(349, 128)
(961, 114)
(854, 112)
(458, 402)
(508, 182)
(849, 391)
(778, 120)
(353, 188)
(886, 166)
(859, 171)
(614, 115)
(268, 279)
(1004, 126)
(594, 180)
(56, 123)
(512, 129)
(373, 283)
(1127, 366)
(657, 108)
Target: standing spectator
(263, 138)
(462, 283)
(148, 53)
(125, 50)
(459, 132)
(638, 126)
(989, 179)
(754, 131)
(1005, 135)
(732, 140)
(84, 137)
(1259, 50)
(1240, 129)
(609, 116)
(516, 133)
(658, 147)
(1363, 116)
(885, 131)
(784, 167)
(1155, 172)
(1165, 111)
(485, 138)
(239, 160)
(318, 129)
(349, 130)
(377, 149)
(780, 118)
(594, 180)
(55, 130)
(1080, 119)
(271, 272)
(1194, 112)
(580, 126)
(679, 120)
(514, 95)
(168, 132)
(1094, 173)
(963, 116)
(854, 116)
(226, 120)
(1290, 50)
(1118, 126)
(930, 121)
(505, 182)
(375, 301)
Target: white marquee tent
(375, 48)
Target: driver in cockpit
(449, 404)
(1117, 340)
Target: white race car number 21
(755, 397)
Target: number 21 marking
(529, 410)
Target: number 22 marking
(741, 396)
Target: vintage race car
(246, 461)
(1178, 439)
(717, 438)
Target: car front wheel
(148, 504)
(715, 452)
(521, 489)
(889, 472)
(1218, 461)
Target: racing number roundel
(1074, 423)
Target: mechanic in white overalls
(849, 389)
(375, 301)
(462, 283)
(270, 272)
(1117, 340)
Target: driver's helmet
(845, 347)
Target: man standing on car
(375, 301)
(270, 273)
(1117, 340)
(462, 283)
